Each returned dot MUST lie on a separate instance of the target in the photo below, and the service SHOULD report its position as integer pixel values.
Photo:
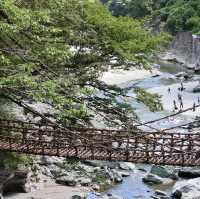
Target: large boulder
(160, 193)
(196, 89)
(184, 75)
(85, 181)
(177, 194)
(113, 175)
(127, 166)
(189, 173)
(117, 176)
(78, 196)
(152, 179)
(163, 172)
(187, 189)
(20, 182)
(124, 173)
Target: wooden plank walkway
(101, 144)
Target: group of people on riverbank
(179, 106)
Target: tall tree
(54, 51)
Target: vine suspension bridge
(159, 147)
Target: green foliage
(102, 180)
(13, 160)
(152, 101)
(126, 37)
(37, 62)
(179, 15)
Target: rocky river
(126, 180)
(171, 75)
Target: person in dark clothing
(181, 104)
(175, 106)
(194, 107)
(182, 88)
(180, 100)
(179, 97)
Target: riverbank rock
(127, 166)
(124, 174)
(86, 182)
(68, 181)
(196, 89)
(184, 75)
(96, 187)
(152, 179)
(189, 173)
(163, 172)
(19, 183)
(160, 193)
(177, 194)
(114, 175)
(78, 196)
(187, 189)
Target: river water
(133, 187)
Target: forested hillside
(177, 15)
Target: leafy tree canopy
(54, 51)
(178, 15)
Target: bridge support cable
(169, 116)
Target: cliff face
(186, 47)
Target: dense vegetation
(38, 64)
(54, 52)
(177, 15)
